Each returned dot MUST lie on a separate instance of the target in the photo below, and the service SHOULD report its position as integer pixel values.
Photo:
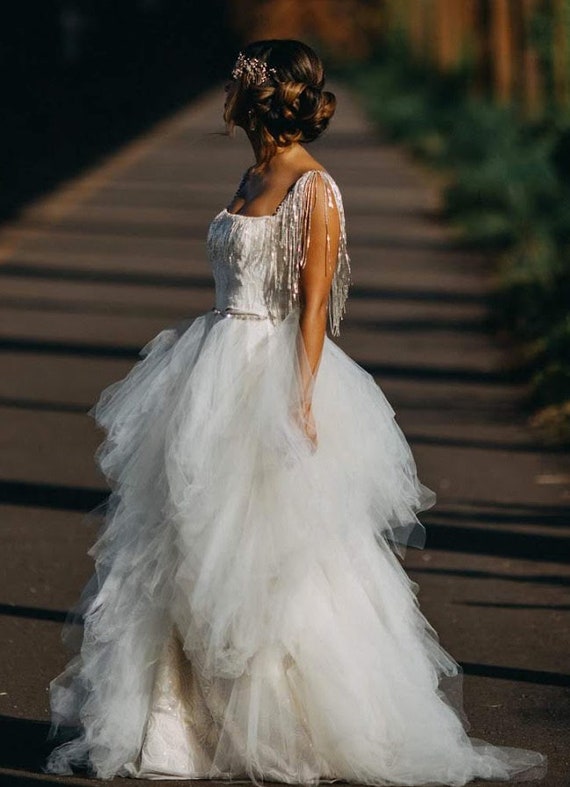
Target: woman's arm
(315, 281)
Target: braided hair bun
(281, 97)
(296, 112)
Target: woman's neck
(282, 155)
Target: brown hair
(290, 106)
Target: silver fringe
(293, 229)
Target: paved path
(92, 273)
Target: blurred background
(478, 89)
(80, 77)
(451, 146)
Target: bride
(248, 617)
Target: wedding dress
(248, 617)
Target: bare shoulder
(320, 184)
(310, 165)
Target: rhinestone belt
(229, 312)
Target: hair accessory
(252, 70)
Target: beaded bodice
(242, 251)
(256, 260)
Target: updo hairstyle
(287, 105)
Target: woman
(248, 616)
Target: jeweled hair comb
(252, 70)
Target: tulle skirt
(248, 617)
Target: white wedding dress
(248, 617)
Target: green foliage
(508, 190)
(552, 383)
(411, 103)
(535, 288)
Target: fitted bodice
(242, 251)
(256, 260)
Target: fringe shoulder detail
(314, 188)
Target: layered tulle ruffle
(248, 615)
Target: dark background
(82, 76)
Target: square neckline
(277, 210)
